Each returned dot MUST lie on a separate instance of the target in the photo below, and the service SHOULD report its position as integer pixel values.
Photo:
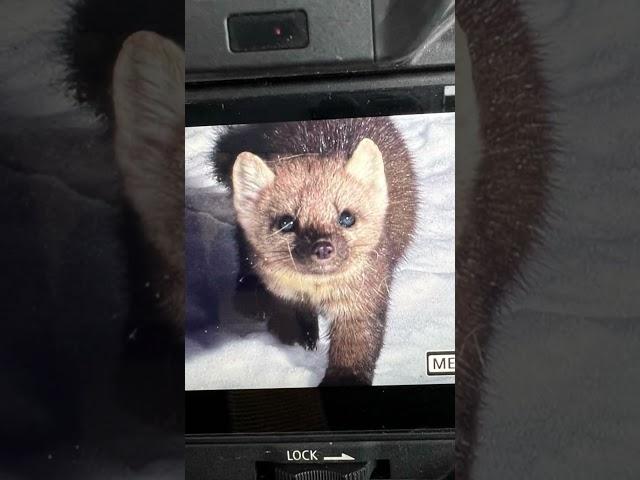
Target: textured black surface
(340, 33)
(323, 472)
(408, 455)
(356, 36)
(414, 32)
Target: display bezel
(345, 409)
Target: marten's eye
(347, 219)
(285, 223)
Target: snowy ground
(240, 354)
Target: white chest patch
(324, 333)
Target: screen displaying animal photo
(320, 253)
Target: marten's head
(307, 215)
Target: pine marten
(325, 209)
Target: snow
(225, 351)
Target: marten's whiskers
(276, 232)
(291, 256)
(288, 157)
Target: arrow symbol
(341, 458)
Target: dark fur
(94, 35)
(74, 371)
(509, 195)
(89, 45)
(352, 358)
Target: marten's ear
(250, 176)
(367, 166)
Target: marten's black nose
(322, 249)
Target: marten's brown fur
(309, 174)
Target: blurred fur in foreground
(504, 201)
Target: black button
(251, 32)
(330, 471)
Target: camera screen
(320, 253)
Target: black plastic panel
(414, 32)
(420, 455)
(257, 32)
(339, 33)
(309, 99)
(320, 410)
(355, 36)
